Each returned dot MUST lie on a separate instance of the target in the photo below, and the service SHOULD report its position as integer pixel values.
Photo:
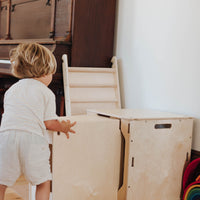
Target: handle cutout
(163, 126)
(132, 163)
(122, 159)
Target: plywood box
(157, 148)
(122, 155)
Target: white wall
(158, 46)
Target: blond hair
(32, 60)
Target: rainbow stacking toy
(191, 181)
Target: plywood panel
(87, 166)
(157, 158)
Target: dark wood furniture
(83, 29)
(195, 154)
(94, 45)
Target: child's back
(26, 103)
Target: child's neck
(46, 79)
(42, 80)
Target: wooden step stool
(122, 154)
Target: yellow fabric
(198, 178)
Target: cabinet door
(87, 166)
(25, 19)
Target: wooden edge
(115, 66)
(17, 41)
(66, 85)
(122, 192)
(91, 70)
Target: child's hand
(66, 127)
(60, 126)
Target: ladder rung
(93, 101)
(91, 70)
(92, 86)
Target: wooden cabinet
(85, 28)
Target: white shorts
(23, 153)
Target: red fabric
(190, 173)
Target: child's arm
(60, 126)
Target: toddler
(29, 112)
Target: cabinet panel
(26, 20)
(93, 33)
(63, 19)
(36, 19)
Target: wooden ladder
(90, 87)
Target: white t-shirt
(27, 104)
